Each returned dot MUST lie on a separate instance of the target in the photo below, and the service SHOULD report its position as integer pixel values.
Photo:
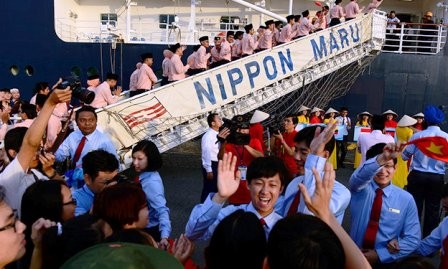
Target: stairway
(177, 112)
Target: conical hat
(419, 115)
(315, 109)
(390, 112)
(406, 121)
(363, 113)
(331, 110)
(303, 108)
(258, 116)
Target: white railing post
(439, 37)
(400, 48)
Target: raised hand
(183, 248)
(37, 230)
(317, 145)
(59, 96)
(390, 152)
(319, 204)
(227, 181)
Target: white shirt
(365, 141)
(16, 180)
(210, 149)
(96, 140)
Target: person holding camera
(235, 138)
(103, 93)
(283, 145)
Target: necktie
(372, 227)
(263, 222)
(295, 204)
(79, 150)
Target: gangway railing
(415, 38)
(175, 113)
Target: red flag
(435, 147)
(319, 4)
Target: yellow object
(400, 178)
(334, 158)
(303, 119)
(352, 146)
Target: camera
(78, 91)
(235, 137)
(276, 125)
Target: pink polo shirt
(215, 54)
(265, 41)
(133, 80)
(305, 27)
(103, 96)
(287, 34)
(146, 78)
(248, 44)
(337, 12)
(177, 69)
(236, 48)
(201, 58)
(351, 10)
(226, 51)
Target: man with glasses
(100, 168)
(12, 235)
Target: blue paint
(201, 92)
(221, 87)
(235, 81)
(333, 43)
(321, 50)
(343, 36)
(355, 38)
(251, 72)
(284, 61)
(266, 67)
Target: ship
(49, 39)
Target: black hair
(211, 118)
(377, 122)
(307, 135)
(305, 13)
(135, 236)
(297, 18)
(304, 241)
(40, 99)
(239, 241)
(42, 199)
(337, 2)
(29, 110)
(14, 139)
(294, 118)
(375, 150)
(40, 86)
(77, 234)
(85, 108)
(98, 161)
(152, 153)
(267, 167)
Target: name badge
(243, 171)
(393, 210)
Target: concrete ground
(181, 174)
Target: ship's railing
(415, 38)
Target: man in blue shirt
(397, 232)
(425, 181)
(100, 168)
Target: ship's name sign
(222, 85)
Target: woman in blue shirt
(146, 160)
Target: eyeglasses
(72, 202)
(11, 225)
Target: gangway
(175, 113)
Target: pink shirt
(53, 128)
(287, 34)
(190, 60)
(201, 58)
(321, 23)
(146, 78)
(26, 123)
(351, 10)
(305, 27)
(165, 66)
(248, 44)
(236, 48)
(177, 69)
(215, 54)
(265, 41)
(337, 12)
(133, 80)
(276, 36)
(103, 96)
(226, 51)
(61, 110)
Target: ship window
(108, 21)
(14, 69)
(165, 20)
(29, 70)
(76, 71)
(230, 23)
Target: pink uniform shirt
(103, 96)
(177, 69)
(226, 51)
(248, 44)
(337, 12)
(201, 58)
(265, 41)
(305, 27)
(133, 80)
(287, 34)
(146, 78)
(351, 10)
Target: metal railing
(415, 38)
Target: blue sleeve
(155, 195)
(82, 205)
(312, 161)
(363, 175)
(408, 151)
(433, 242)
(63, 151)
(408, 240)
